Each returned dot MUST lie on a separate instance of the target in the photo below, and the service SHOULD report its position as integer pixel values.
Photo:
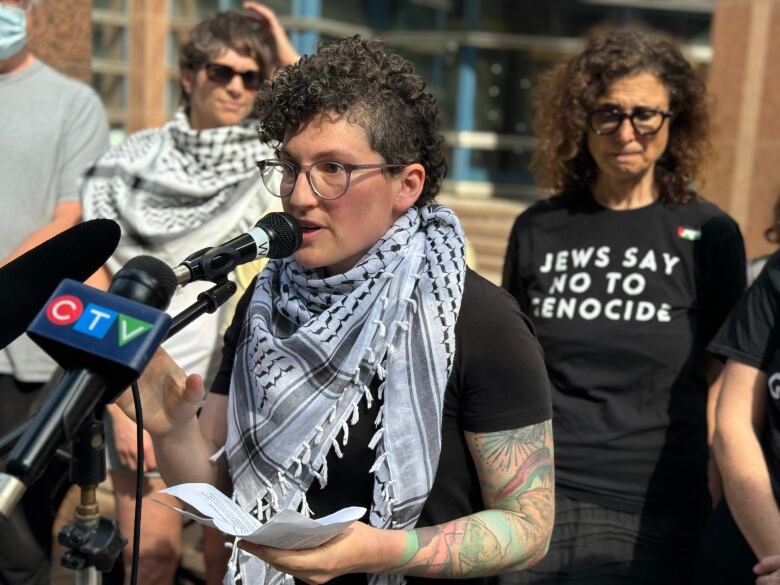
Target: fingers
(770, 579)
(194, 390)
(127, 459)
(184, 404)
(767, 565)
(285, 52)
(260, 10)
(124, 437)
(150, 460)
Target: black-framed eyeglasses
(328, 179)
(645, 121)
(224, 74)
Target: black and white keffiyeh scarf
(174, 189)
(310, 349)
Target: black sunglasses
(223, 74)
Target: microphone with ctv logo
(27, 281)
(277, 235)
(103, 340)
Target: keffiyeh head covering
(310, 349)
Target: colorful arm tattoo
(515, 470)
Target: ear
(185, 78)
(411, 182)
(32, 12)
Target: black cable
(139, 478)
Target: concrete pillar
(61, 35)
(744, 80)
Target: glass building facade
(480, 57)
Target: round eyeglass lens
(329, 179)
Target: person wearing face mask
(51, 129)
(174, 190)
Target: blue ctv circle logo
(94, 320)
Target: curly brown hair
(564, 96)
(226, 30)
(376, 90)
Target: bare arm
(714, 370)
(515, 468)
(183, 442)
(185, 458)
(66, 214)
(741, 415)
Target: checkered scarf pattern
(174, 189)
(310, 349)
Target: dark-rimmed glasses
(328, 179)
(645, 121)
(224, 74)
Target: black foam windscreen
(28, 281)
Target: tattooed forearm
(516, 472)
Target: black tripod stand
(93, 542)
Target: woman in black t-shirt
(369, 368)
(626, 273)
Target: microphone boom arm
(208, 301)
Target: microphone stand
(94, 542)
(208, 301)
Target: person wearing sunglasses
(626, 272)
(174, 189)
(372, 368)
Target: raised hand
(285, 52)
(169, 397)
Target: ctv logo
(94, 320)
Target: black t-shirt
(752, 335)
(624, 303)
(498, 382)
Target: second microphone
(276, 235)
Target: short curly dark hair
(227, 30)
(374, 89)
(565, 95)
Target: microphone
(277, 235)
(103, 341)
(27, 281)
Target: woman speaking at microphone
(372, 368)
(174, 190)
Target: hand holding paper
(287, 530)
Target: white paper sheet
(288, 529)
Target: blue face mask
(13, 30)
